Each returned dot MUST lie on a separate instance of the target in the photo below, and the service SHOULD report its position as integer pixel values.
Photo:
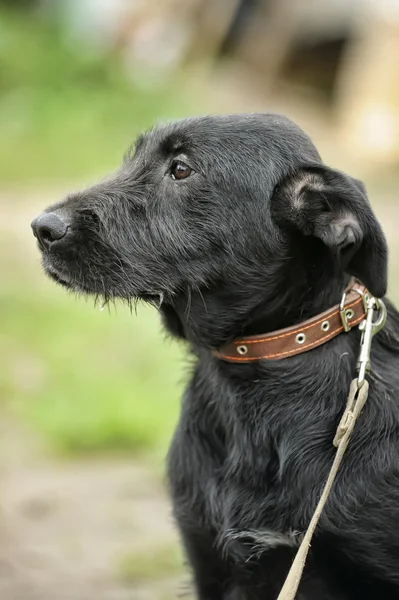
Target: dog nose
(48, 227)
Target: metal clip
(369, 328)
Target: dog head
(225, 219)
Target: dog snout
(49, 228)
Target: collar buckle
(345, 313)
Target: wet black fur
(260, 236)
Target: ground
(95, 528)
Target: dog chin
(154, 299)
(66, 281)
(58, 278)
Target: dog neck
(305, 336)
(199, 319)
(290, 306)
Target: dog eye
(180, 170)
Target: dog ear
(333, 207)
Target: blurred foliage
(87, 380)
(66, 111)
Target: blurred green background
(99, 381)
(89, 399)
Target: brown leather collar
(302, 337)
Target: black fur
(260, 236)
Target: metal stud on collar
(242, 349)
(300, 338)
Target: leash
(357, 398)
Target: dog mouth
(66, 281)
(150, 297)
(58, 278)
(63, 277)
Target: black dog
(233, 226)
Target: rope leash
(356, 400)
(357, 397)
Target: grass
(88, 380)
(140, 566)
